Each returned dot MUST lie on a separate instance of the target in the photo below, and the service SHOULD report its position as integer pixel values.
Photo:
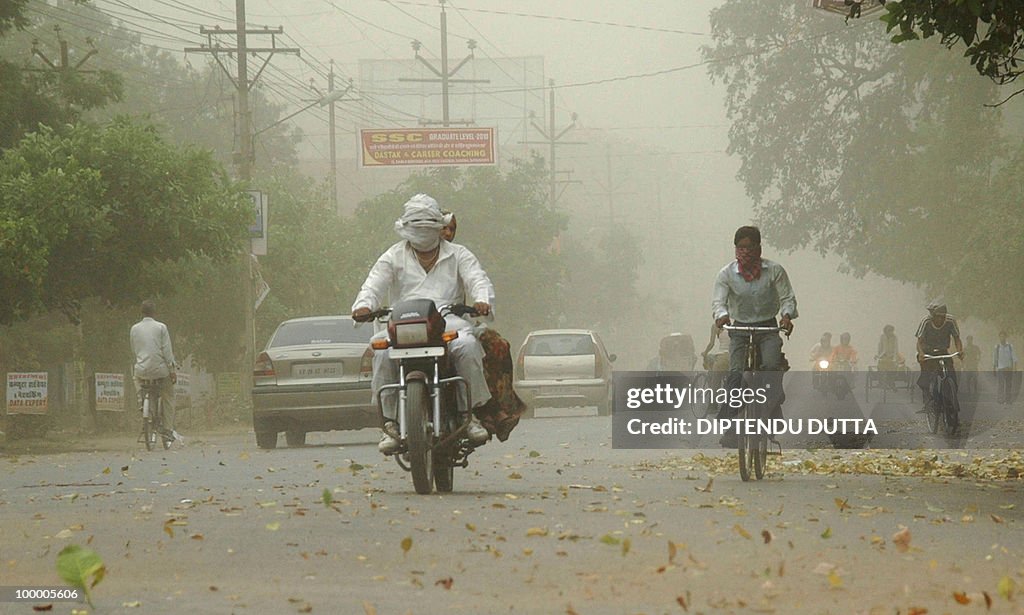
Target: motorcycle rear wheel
(419, 436)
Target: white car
(562, 368)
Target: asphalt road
(552, 521)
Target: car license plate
(317, 370)
(562, 390)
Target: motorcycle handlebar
(384, 311)
(461, 309)
(458, 309)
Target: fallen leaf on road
(369, 608)
(274, 526)
(827, 533)
(706, 488)
(42, 607)
(534, 454)
(672, 550)
(326, 497)
(961, 598)
(902, 540)
(406, 545)
(834, 580)
(917, 610)
(996, 518)
(842, 504)
(1006, 587)
(168, 529)
(537, 531)
(625, 547)
(515, 475)
(742, 532)
(988, 600)
(134, 604)
(682, 602)
(608, 539)
(445, 583)
(106, 470)
(766, 535)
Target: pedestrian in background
(1004, 362)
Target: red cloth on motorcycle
(501, 413)
(749, 261)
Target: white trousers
(467, 357)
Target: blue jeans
(770, 350)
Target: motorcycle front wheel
(419, 436)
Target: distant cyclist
(154, 359)
(933, 337)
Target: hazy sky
(581, 41)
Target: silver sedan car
(314, 375)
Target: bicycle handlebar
(748, 329)
(940, 356)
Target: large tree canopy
(992, 30)
(84, 212)
(882, 154)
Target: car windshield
(560, 345)
(321, 331)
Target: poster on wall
(26, 392)
(109, 392)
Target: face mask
(422, 238)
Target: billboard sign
(416, 147)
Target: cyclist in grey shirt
(751, 291)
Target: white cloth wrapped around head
(421, 223)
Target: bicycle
(944, 406)
(153, 415)
(753, 450)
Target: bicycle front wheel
(749, 450)
(950, 406)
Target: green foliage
(80, 567)
(995, 52)
(93, 206)
(879, 153)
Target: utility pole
(610, 190)
(245, 156)
(551, 139)
(444, 75)
(331, 97)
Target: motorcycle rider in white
(423, 266)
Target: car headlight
(411, 334)
(823, 364)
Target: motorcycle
(431, 432)
(830, 377)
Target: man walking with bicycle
(154, 360)
(751, 291)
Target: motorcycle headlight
(823, 364)
(411, 334)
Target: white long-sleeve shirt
(755, 301)
(457, 276)
(1004, 357)
(151, 343)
